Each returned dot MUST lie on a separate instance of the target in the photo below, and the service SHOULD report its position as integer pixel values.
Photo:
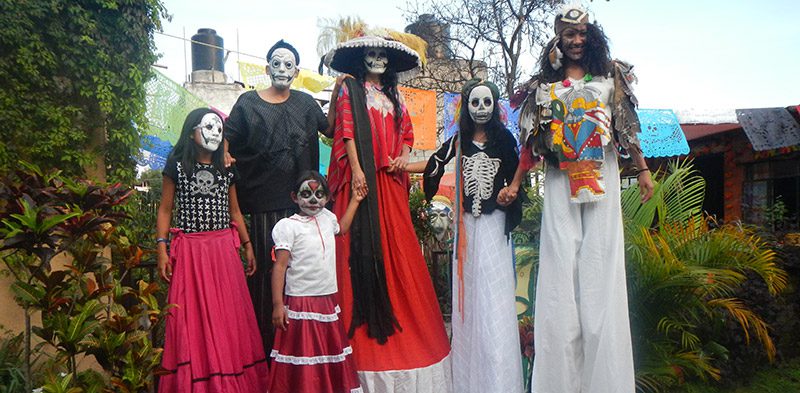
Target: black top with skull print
(485, 169)
(202, 198)
(273, 144)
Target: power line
(209, 45)
(227, 51)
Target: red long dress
(416, 358)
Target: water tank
(205, 57)
(435, 33)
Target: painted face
(282, 68)
(481, 104)
(573, 40)
(208, 133)
(311, 197)
(375, 59)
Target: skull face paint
(311, 197)
(282, 68)
(208, 133)
(481, 104)
(375, 60)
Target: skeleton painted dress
(486, 169)
(485, 344)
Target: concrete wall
(221, 96)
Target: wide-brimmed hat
(345, 57)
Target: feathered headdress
(571, 14)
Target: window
(772, 194)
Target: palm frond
(748, 320)
(683, 274)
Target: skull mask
(481, 104)
(210, 130)
(282, 68)
(375, 60)
(441, 217)
(311, 197)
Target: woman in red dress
(387, 297)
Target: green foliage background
(72, 79)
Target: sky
(688, 55)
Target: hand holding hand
(359, 183)
(506, 196)
(398, 164)
(357, 196)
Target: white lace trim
(314, 316)
(311, 360)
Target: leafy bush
(72, 90)
(684, 273)
(86, 309)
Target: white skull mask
(375, 60)
(282, 68)
(210, 129)
(481, 104)
(311, 197)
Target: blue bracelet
(162, 240)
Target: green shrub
(684, 272)
(86, 309)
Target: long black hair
(596, 58)
(494, 128)
(388, 87)
(185, 151)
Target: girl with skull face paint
(388, 301)
(212, 341)
(311, 352)
(485, 333)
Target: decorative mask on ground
(311, 197)
(282, 68)
(440, 214)
(375, 60)
(481, 104)
(210, 129)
